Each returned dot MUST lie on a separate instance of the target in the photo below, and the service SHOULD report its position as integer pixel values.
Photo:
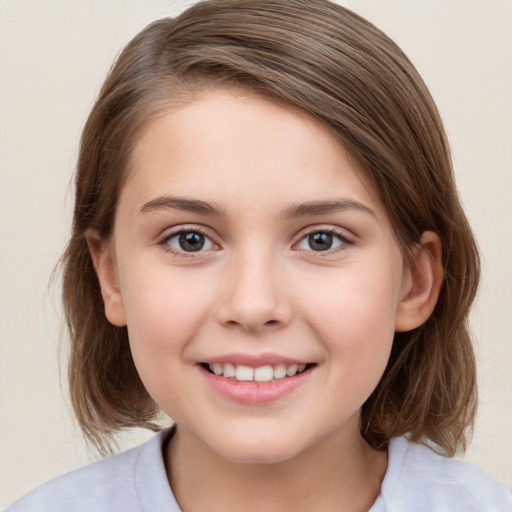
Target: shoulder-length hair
(339, 68)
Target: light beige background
(54, 55)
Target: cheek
(164, 311)
(354, 317)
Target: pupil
(320, 241)
(191, 242)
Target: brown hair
(342, 70)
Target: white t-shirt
(417, 480)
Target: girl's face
(246, 246)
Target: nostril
(253, 326)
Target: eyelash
(341, 236)
(164, 242)
(343, 239)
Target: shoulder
(126, 481)
(417, 476)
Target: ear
(422, 283)
(105, 267)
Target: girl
(268, 247)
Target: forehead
(234, 144)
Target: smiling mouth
(266, 373)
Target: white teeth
(260, 374)
(244, 373)
(263, 373)
(280, 371)
(292, 370)
(217, 369)
(229, 370)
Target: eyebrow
(183, 204)
(323, 207)
(294, 210)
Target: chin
(257, 456)
(258, 450)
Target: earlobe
(104, 265)
(423, 284)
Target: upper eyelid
(186, 228)
(342, 232)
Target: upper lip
(255, 360)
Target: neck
(339, 473)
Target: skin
(259, 288)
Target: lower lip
(251, 392)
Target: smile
(255, 379)
(265, 373)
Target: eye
(188, 241)
(320, 241)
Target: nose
(254, 296)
